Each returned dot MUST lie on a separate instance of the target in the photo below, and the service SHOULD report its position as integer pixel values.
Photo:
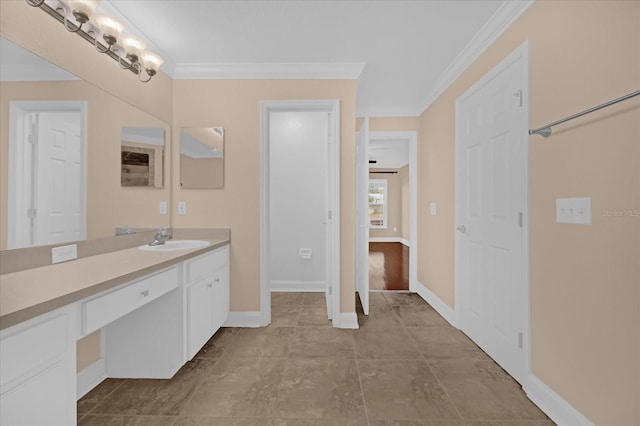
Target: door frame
(522, 52)
(332, 107)
(412, 137)
(18, 162)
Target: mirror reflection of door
(47, 174)
(142, 157)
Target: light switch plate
(433, 208)
(573, 210)
(182, 207)
(163, 207)
(64, 253)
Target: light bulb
(110, 28)
(81, 9)
(133, 47)
(152, 62)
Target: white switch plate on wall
(182, 207)
(64, 253)
(163, 207)
(573, 210)
(433, 208)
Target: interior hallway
(405, 366)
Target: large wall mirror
(202, 157)
(68, 185)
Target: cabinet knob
(210, 285)
(144, 293)
(217, 280)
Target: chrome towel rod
(546, 130)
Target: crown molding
(319, 70)
(502, 19)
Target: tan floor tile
(288, 299)
(384, 343)
(238, 387)
(97, 420)
(405, 299)
(314, 315)
(418, 423)
(314, 299)
(285, 315)
(96, 395)
(320, 388)
(414, 316)
(513, 422)
(442, 343)
(321, 342)
(269, 342)
(379, 316)
(481, 390)
(404, 390)
(156, 396)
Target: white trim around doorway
(332, 107)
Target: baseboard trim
(248, 319)
(299, 286)
(553, 405)
(390, 240)
(347, 320)
(437, 304)
(90, 377)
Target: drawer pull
(144, 293)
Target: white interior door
(491, 201)
(58, 184)
(362, 215)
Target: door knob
(461, 228)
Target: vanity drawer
(206, 264)
(102, 310)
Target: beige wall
(108, 204)
(88, 350)
(585, 299)
(235, 105)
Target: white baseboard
(249, 319)
(90, 377)
(299, 286)
(347, 320)
(553, 405)
(390, 240)
(437, 304)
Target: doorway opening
(300, 221)
(386, 211)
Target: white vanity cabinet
(207, 297)
(38, 371)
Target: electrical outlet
(164, 209)
(182, 207)
(64, 253)
(573, 210)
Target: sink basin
(177, 245)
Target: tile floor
(405, 366)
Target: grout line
(103, 398)
(364, 400)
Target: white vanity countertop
(32, 292)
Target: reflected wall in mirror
(142, 156)
(202, 157)
(27, 80)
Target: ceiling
(399, 51)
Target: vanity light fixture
(105, 33)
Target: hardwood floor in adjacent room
(388, 266)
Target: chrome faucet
(161, 237)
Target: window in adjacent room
(377, 203)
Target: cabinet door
(42, 400)
(200, 314)
(220, 297)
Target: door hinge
(518, 95)
(330, 215)
(330, 290)
(32, 213)
(520, 340)
(520, 219)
